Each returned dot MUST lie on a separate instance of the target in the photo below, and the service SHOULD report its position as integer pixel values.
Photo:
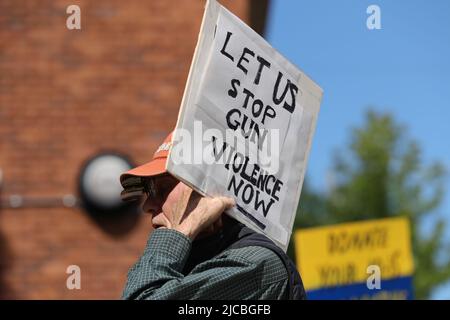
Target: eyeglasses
(150, 188)
(159, 187)
(155, 188)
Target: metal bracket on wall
(19, 202)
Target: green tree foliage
(381, 174)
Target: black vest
(235, 235)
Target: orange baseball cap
(153, 168)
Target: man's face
(168, 193)
(161, 205)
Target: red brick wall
(66, 95)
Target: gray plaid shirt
(244, 273)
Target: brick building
(65, 96)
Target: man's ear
(194, 199)
(181, 201)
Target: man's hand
(193, 214)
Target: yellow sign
(346, 253)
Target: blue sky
(403, 68)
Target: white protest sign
(245, 125)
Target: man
(195, 252)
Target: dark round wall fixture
(99, 185)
